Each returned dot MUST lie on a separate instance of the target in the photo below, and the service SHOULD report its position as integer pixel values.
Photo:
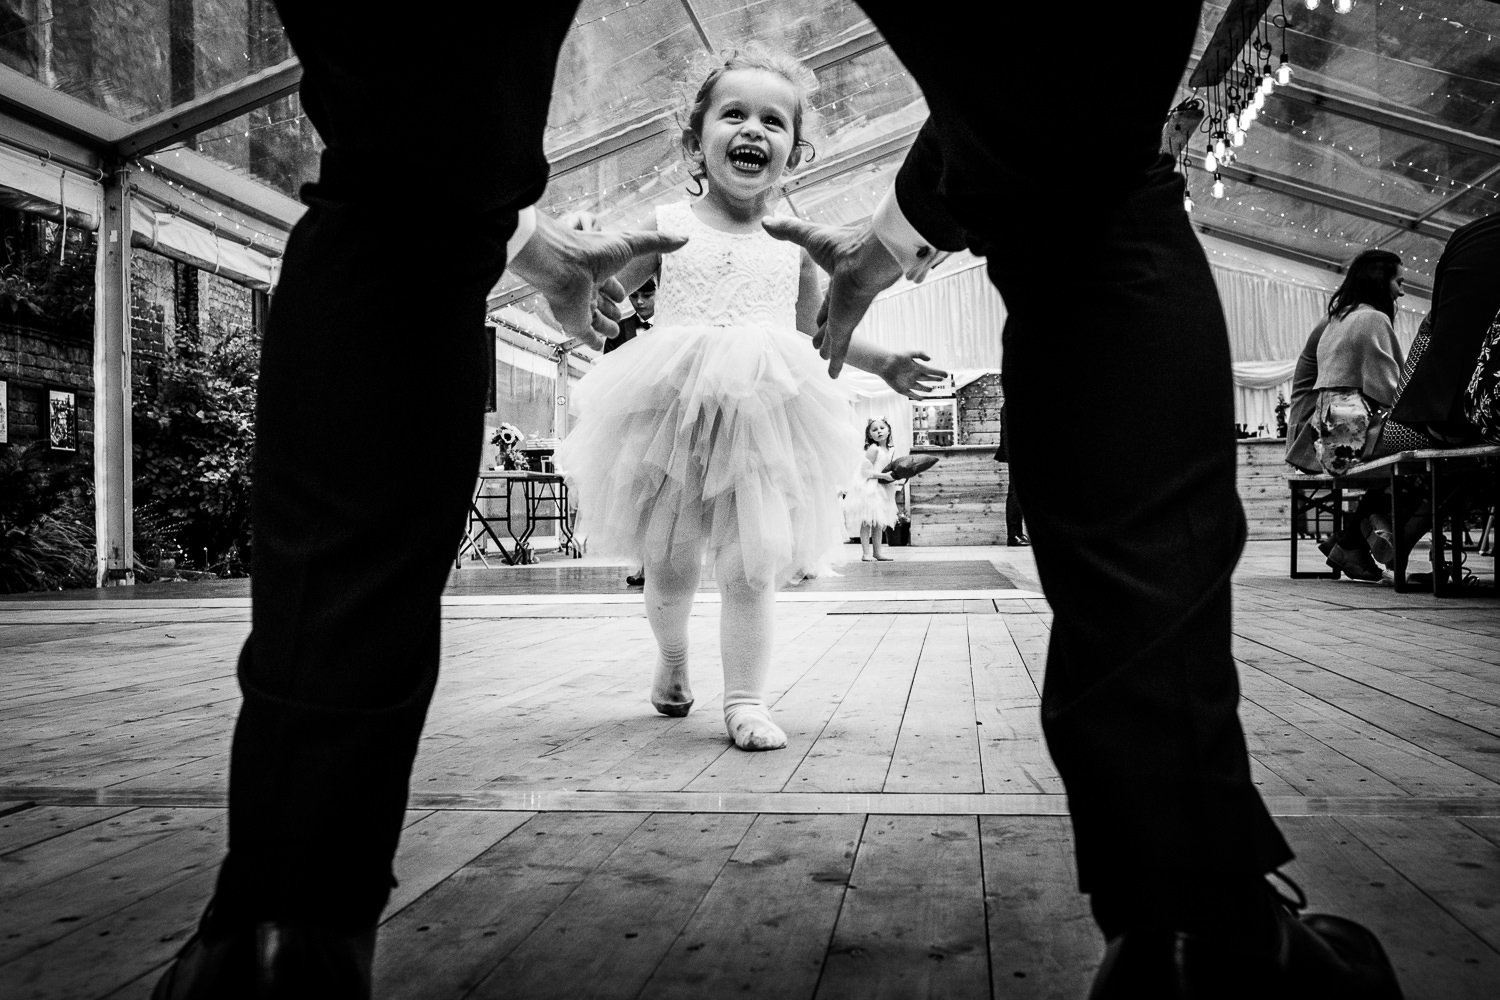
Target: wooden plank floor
(565, 841)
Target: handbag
(1481, 402)
(1347, 426)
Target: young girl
(870, 506)
(721, 433)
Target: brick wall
(33, 361)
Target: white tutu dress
(720, 426)
(870, 501)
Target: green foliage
(46, 522)
(38, 288)
(194, 431)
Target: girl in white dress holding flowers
(721, 434)
(870, 505)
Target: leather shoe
(1018, 540)
(1317, 956)
(1380, 538)
(636, 579)
(270, 959)
(1355, 563)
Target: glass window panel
(849, 197)
(619, 65)
(1285, 221)
(1316, 146)
(1419, 254)
(801, 28)
(137, 58)
(863, 99)
(1472, 203)
(275, 144)
(621, 187)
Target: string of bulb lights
(1235, 101)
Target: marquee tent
(181, 119)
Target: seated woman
(1343, 387)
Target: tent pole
(114, 544)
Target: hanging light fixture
(1218, 186)
(1312, 4)
(1343, 6)
(1284, 70)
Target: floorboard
(565, 840)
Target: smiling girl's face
(747, 134)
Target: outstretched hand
(907, 375)
(574, 270)
(859, 268)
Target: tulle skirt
(724, 440)
(871, 502)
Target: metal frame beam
(1386, 118)
(1223, 50)
(860, 156)
(222, 105)
(1292, 253)
(1328, 198)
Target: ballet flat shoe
(270, 960)
(673, 709)
(1317, 956)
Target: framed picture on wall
(62, 420)
(934, 423)
(4, 412)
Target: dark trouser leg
(1375, 500)
(369, 436)
(1015, 525)
(1136, 522)
(1136, 537)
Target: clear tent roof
(1385, 136)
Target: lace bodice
(724, 279)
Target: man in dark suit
(1110, 302)
(643, 301)
(1112, 309)
(1015, 522)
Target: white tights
(746, 630)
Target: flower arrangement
(508, 440)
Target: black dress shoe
(267, 960)
(1317, 956)
(636, 579)
(1018, 540)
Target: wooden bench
(1453, 480)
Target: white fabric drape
(1270, 306)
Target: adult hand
(859, 268)
(574, 270)
(905, 373)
